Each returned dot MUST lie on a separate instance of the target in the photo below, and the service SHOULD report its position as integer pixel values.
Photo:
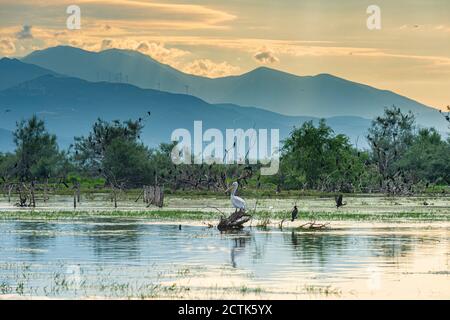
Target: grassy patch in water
(180, 215)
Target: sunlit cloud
(129, 14)
(7, 47)
(25, 33)
(214, 38)
(159, 52)
(429, 28)
(208, 68)
(266, 57)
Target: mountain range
(14, 72)
(322, 95)
(70, 88)
(71, 105)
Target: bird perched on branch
(237, 202)
(294, 213)
(339, 202)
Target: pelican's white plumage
(236, 201)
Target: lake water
(122, 258)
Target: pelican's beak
(229, 188)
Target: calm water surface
(118, 258)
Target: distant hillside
(13, 72)
(70, 106)
(112, 65)
(6, 141)
(322, 95)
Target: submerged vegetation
(263, 217)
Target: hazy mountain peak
(266, 71)
(8, 60)
(13, 72)
(62, 49)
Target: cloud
(25, 33)
(157, 14)
(266, 57)
(159, 52)
(106, 44)
(130, 14)
(208, 68)
(7, 47)
(443, 28)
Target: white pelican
(236, 201)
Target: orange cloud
(266, 57)
(126, 14)
(208, 68)
(160, 53)
(7, 47)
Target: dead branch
(234, 222)
(314, 225)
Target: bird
(237, 202)
(294, 213)
(339, 202)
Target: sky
(409, 54)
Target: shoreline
(211, 219)
(176, 209)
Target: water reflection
(133, 250)
(34, 237)
(321, 248)
(329, 250)
(393, 246)
(239, 241)
(110, 238)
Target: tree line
(401, 159)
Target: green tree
(317, 158)
(37, 153)
(114, 151)
(90, 151)
(389, 137)
(427, 159)
(446, 115)
(7, 163)
(127, 163)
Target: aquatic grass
(262, 218)
(248, 290)
(322, 290)
(5, 288)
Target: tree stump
(234, 222)
(153, 195)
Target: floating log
(314, 226)
(234, 222)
